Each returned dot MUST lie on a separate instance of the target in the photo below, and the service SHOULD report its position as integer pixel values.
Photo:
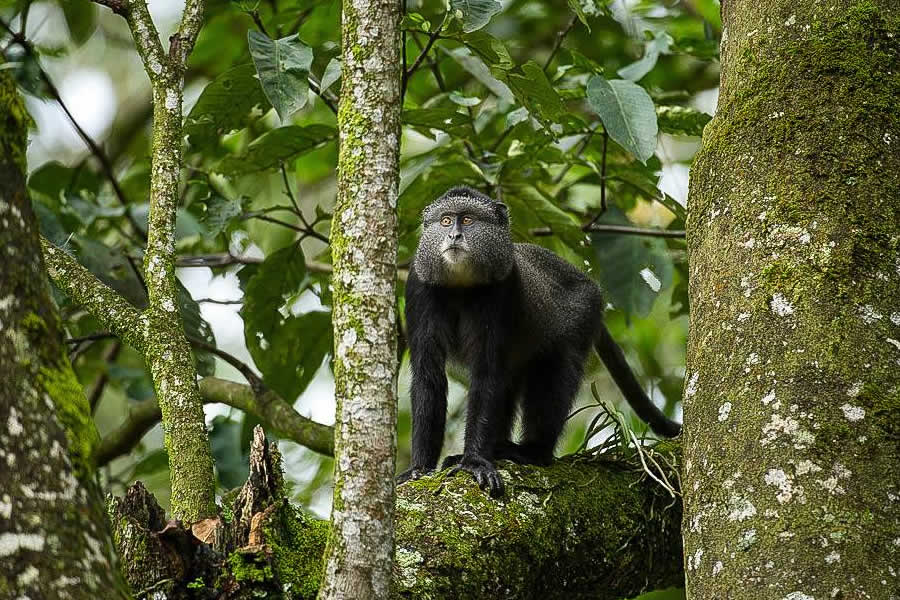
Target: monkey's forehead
(457, 205)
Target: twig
(559, 40)
(214, 301)
(255, 381)
(617, 229)
(118, 6)
(432, 38)
(90, 338)
(95, 392)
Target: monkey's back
(558, 300)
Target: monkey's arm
(487, 419)
(428, 391)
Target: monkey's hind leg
(549, 391)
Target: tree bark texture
(364, 250)
(793, 364)
(585, 527)
(55, 541)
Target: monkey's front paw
(450, 461)
(413, 473)
(484, 473)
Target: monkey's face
(465, 242)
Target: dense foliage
(569, 114)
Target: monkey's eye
(446, 221)
(467, 220)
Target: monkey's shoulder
(537, 264)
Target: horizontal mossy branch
(105, 304)
(582, 528)
(277, 415)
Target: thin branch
(407, 74)
(252, 378)
(278, 416)
(109, 308)
(118, 6)
(290, 194)
(559, 40)
(254, 14)
(215, 301)
(182, 42)
(90, 338)
(95, 391)
(326, 96)
(617, 229)
(216, 260)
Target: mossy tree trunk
(793, 384)
(364, 250)
(54, 537)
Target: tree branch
(109, 308)
(278, 416)
(118, 6)
(617, 229)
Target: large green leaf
(631, 269)
(287, 349)
(627, 113)
(489, 48)
(534, 91)
(476, 67)
(81, 19)
(474, 14)
(283, 69)
(275, 147)
(226, 104)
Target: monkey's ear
(502, 212)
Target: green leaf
(225, 443)
(227, 104)
(535, 92)
(287, 349)
(489, 48)
(219, 212)
(283, 69)
(81, 19)
(576, 7)
(652, 49)
(275, 147)
(332, 74)
(443, 119)
(681, 120)
(474, 14)
(476, 67)
(195, 326)
(153, 462)
(631, 269)
(627, 113)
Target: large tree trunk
(793, 386)
(54, 537)
(364, 250)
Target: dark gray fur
(521, 320)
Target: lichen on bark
(54, 538)
(793, 383)
(364, 248)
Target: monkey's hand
(483, 471)
(413, 473)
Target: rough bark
(793, 386)
(364, 249)
(586, 527)
(54, 538)
(260, 546)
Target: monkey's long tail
(614, 359)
